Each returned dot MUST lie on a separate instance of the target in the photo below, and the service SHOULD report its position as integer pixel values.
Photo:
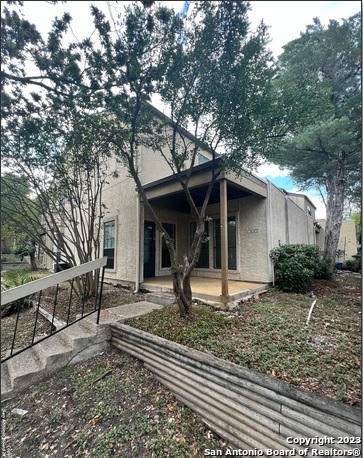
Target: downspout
(270, 231)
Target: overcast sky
(286, 20)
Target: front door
(149, 249)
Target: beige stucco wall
(303, 202)
(153, 166)
(120, 198)
(254, 249)
(261, 224)
(347, 239)
(290, 222)
(277, 202)
(298, 224)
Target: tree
(17, 208)
(15, 202)
(10, 225)
(209, 70)
(318, 92)
(66, 167)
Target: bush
(296, 266)
(16, 277)
(12, 279)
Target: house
(259, 215)
(347, 244)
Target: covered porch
(219, 278)
(209, 289)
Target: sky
(285, 19)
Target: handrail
(13, 294)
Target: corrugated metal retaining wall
(249, 409)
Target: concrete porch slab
(208, 289)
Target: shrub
(12, 279)
(296, 265)
(324, 271)
(352, 265)
(17, 277)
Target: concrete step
(5, 382)
(78, 336)
(160, 298)
(78, 342)
(45, 357)
(25, 369)
(54, 351)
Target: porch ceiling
(168, 193)
(178, 201)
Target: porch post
(224, 238)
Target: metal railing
(77, 280)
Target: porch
(224, 253)
(209, 289)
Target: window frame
(216, 247)
(111, 264)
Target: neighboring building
(347, 245)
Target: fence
(251, 410)
(33, 291)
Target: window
(203, 261)
(308, 210)
(109, 243)
(232, 248)
(165, 257)
(201, 159)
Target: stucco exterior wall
(120, 198)
(347, 239)
(297, 223)
(277, 201)
(303, 202)
(254, 252)
(261, 224)
(153, 166)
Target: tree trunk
(183, 293)
(33, 264)
(182, 277)
(336, 186)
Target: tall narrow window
(203, 261)
(165, 257)
(109, 243)
(232, 248)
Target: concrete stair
(70, 345)
(77, 342)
